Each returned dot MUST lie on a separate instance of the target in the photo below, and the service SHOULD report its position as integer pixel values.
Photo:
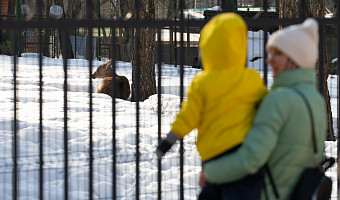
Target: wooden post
(120, 44)
(171, 43)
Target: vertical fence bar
(171, 44)
(159, 109)
(18, 15)
(75, 41)
(41, 148)
(64, 52)
(41, 142)
(175, 35)
(265, 39)
(321, 59)
(89, 12)
(188, 45)
(99, 42)
(338, 101)
(114, 160)
(181, 149)
(15, 122)
(137, 94)
(89, 42)
(54, 41)
(226, 6)
(303, 9)
(137, 91)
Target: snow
(78, 133)
(78, 107)
(217, 8)
(334, 60)
(329, 15)
(194, 37)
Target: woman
(281, 131)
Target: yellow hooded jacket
(223, 98)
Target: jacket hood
(223, 42)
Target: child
(223, 98)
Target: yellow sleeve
(189, 116)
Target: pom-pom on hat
(298, 42)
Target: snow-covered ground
(78, 124)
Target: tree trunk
(171, 45)
(68, 48)
(4, 49)
(316, 8)
(125, 8)
(277, 6)
(258, 3)
(11, 9)
(9, 33)
(288, 8)
(147, 86)
(47, 35)
(120, 42)
(330, 131)
(171, 11)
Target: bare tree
(47, 35)
(147, 86)
(4, 49)
(316, 8)
(65, 39)
(258, 3)
(7, 35)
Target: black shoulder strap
(276, 193)
(310, 115)
(271, 180)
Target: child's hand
(166, 144)
(163, 147)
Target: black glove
(166, 144)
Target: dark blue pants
(248, 188)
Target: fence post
(99, 45)
(89, 16)
(229, 5)
(15, 121)
(265, 39)
(114, 150)
(181, 149)
(321, 59)
(41, 140)
(303, 9)
(159, 109)
(137, 92)
(18, 13)
(337, 3)
(65, 118)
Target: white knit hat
(298, 42)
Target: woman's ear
(290, 65)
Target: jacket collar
(293, 77)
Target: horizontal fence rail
(64, 138)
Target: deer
(105, 72)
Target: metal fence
(60, 140)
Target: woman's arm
(257, 147)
